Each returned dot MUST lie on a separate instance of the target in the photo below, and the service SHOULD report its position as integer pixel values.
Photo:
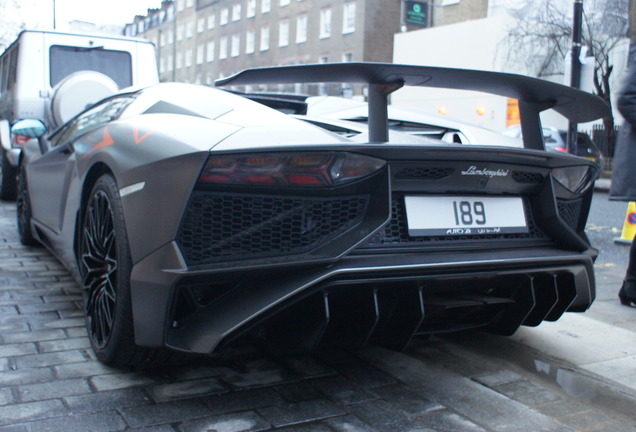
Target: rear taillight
(290, 169)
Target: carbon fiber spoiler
(534, 95)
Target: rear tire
(23, 202)
(105, 266)
(8, 186)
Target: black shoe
(627, 293)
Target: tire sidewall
(122, 337)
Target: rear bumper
(383, 298)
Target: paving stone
(84, 369)
(298, 392)
(27, 376)
(498, 378)
(348, 423)
(53, 390)
(50, 359)
(407, 401)
(301, 412)
(382, 416)
(6, 396)
(240, 422)
(259, 372)
(343, 390)
(162, 428)
(62, 323)
(183, 410)
(120, 380)
(448, 421)
(242, 400)
(76, 332)
(64, 345)
(364, 374)
(180, 390)
(106, 401)
(14, 428)
(33, 336)
(46, 307)
(18, 413)
(308, 367)
(17, 349)
(100, 422)
(528, 393)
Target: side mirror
(30, 128)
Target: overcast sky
(39, 13)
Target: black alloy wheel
(24, 211)
(105, 264)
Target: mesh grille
(423, 173)
(222, 227)
(395, 233)
(527, 177)
(569, 212)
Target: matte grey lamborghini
(193, 217)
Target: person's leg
(627, 293)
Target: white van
(52, 76)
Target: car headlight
(303, 169)
(576, 179)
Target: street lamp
(575, 78)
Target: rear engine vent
(222, 227)
(570, 212)
(423, 173)
(527, 177)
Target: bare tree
(11, 22)
(542, 38)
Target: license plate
(464, 215)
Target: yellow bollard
(629, 228)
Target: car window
(65, 60)
(91, 119)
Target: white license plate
(464, 215)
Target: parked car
(52, 76)
(193, 217)
(557, 140)
(409, 121)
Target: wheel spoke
(98, 262)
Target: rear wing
(534, 95)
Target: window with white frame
(284, 3)
(162, 39)
(189, 29)
(180, 32)
(200, 54)
(236, 45)
(170, 36)
(170, 63)
(301, 29)
(223, 47)
(225, 16)
(264, 39)
(236, 12)
(200, 25)
(325, 23)
(347, 57)
(349, 17)
(188, 57)
(210, 51)
(162, 65)
(180, 5)
(283, 33)
(251, 9)
(266, 6)
(189, 3)
(179, 60)
(211, 21)
(250, 39)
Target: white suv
(53, 76)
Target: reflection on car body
(193, 217)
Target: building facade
(200, 41)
